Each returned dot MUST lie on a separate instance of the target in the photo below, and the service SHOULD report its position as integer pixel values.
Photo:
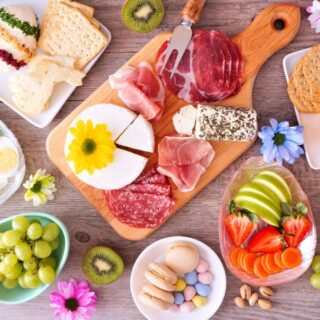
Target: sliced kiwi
(102, 265)
(142, 15)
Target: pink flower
(74, 301)
(314, 18)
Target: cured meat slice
(158, 189)
(210, 70)
(140, 210)
(147, 174)
(155, 179)
(184, 159)
(140, 89)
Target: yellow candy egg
(180, 285)
(199, 301)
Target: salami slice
(158, 189)
(147, 174)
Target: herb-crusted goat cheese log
(225, 123)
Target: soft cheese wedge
(138, 136)
(125, 168)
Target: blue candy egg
(191, 278)
(178, 298)
(202, 289)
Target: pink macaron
(187, 307)
(205, 278)
(202, 266)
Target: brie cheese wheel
(139, 135)
(184, 120)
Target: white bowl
(156, 252)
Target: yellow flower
(92, 147)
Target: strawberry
(266, 240)
(296, 224)
(239, 225)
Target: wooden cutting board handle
(192, 10)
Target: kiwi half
(102, 265)
(142, 15)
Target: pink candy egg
(187, 307)
(205, 278)
(174, 308)
(189, 292)
(202, 266)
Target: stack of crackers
(69, 29)
(304, 84)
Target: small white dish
(62, 91)
(156, 252)
(310, 122)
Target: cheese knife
(182, 34)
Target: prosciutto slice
(140, 89)
(210, 70)
(184, 160)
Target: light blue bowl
(20, 295)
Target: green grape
(315, 280)
(35, 221)
(14, 272)
(3, 268)
(34, 231)
(10, 283)
(316, 264)
(50, 232)
(2, 277)
(2, 245)
(23, 251)
(30, 265)
(50, 261)
(10, 259)
(20, 223)
(31, 280)
(46, 274)
(42, 249)
(21, 281)
(11, 237)
(55, 243)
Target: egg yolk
(8, 159)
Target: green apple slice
(260, 205)
(274, 182)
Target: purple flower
(74, 301)
(314, 18)
(281, 142)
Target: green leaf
(301, 208)
(232, 207)
(252, 216)
(286, 209)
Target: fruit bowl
(244, 175)
(18, 294)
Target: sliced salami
(158, 189)
(147, 174)
(155, 179)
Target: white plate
(62, 91)
(156, 252)
(310, 122)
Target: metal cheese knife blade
(182, 34)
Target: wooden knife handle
(192, 10)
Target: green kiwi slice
(102, 265)
(142, 15)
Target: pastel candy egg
(203, 289)
(199, 301)
(202, 266)
(189, 293)
(187, 307)
(205, 278)
(174, 308)
(180, 285)
(178, 298)
(191, 278)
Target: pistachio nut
(245, 292)
(240, 302)
(266, 291)
(253, 299)
(264, 304)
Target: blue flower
(281, 142)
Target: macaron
(205, 278)
(202, 266)
(156, 298)
(187, 307)
(182, 256)
(161, 276)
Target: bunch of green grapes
(25, 253)
(315, 278)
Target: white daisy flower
(40, 188)
(314, 18)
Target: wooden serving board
(257, 43)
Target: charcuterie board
(271, 30)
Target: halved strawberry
(296, 224)
(267, 240)
(239, 225)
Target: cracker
(67, 32)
